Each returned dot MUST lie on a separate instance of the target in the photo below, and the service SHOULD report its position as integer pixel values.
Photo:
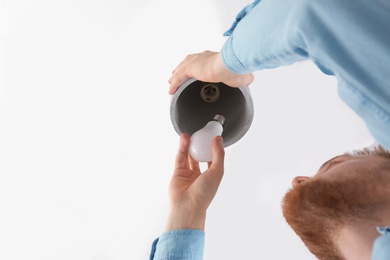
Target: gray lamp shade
(195, 103)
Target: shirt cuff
(381, 249)
(179, 244)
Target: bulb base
(220, 119)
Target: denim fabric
(154, 247)
(381, 249)
(186, 244)
(239, 16)
(347, 39)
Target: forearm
(183, 237)
(185, 219)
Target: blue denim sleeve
(381, 249)
(263, 36)
(271, 33)
(186, 244)
(347, 39)
(241, 15)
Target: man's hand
(206, 66)
(191, 191)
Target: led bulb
(202, 140)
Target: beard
(320, 207)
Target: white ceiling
(87, 145)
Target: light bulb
(202, 140)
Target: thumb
(181, 161)
(217, 164)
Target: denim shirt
(381, 249)
(344, 38)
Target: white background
(87, 145)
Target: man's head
(336, 211)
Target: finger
(214, 174)
(172, 76)
(181, 161)
(175, 81)
(182, 73)
(178, 75)
(194, 165)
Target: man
(337, 213)
(347, 39)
